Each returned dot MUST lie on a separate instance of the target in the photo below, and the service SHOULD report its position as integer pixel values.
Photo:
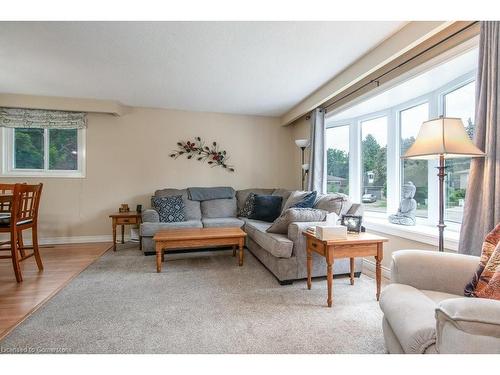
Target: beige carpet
(201, 303)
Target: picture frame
(352, 222)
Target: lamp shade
(444, 136)
(302, 143)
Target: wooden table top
(125, 214)
(352, 238)
(197, 233)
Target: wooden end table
(125, 218)
(356, 245)
(195, 238)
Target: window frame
(7, 163)
(435, 100)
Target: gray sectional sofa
(284, 255)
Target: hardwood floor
(61, 264)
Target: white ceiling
(261, 68)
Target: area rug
(200, 303)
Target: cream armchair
(425, 310)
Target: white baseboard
(78, 239)
(369, 268)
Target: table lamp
(442, 138)
(302, 144)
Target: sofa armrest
(295, 229)
(431, 270)
(150, 216)
(468, 325)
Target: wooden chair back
(25, 204)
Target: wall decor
(197, 149)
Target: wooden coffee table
(356, 245)
(196, 238)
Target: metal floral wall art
(197, 149)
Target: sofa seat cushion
(217, 208)
(149, 229)
(218, 222)
(277, 245)
(411, 315)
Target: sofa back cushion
(192, 209)
(242, 195)
(219, 208)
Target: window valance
(40, 118)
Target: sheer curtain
(482, 203)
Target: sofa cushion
(149, 229)
(242, 195)
(291, 215)
(170, 209)
(191, 208)
(307, 201)
(283, 193)
(294, 197)
(218, 208)
(266, 207)
(411, 315)
(331, 202)
(222, 222)
(277, 245)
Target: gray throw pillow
(331, 202)
(292, 215)
(170, 209)
(247, 208)
(294, 197)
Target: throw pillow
(307, 201)
(170, 209)
(247, 208)
(294, 197)
(292, 215)
(266, 207)
(486, 280)
(331, 202)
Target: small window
(33, 152)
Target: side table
(125, 218)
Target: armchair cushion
(486, 280)
(468, 325)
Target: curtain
(482, 203)
(39, 118)
(317, 180)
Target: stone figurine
(407, 207)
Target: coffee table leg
(309, 267)
(352, 270)
(159, 253)
(241, 253)
(329, 275)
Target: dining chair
(19, 212)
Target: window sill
(427, 234)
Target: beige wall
(128, 158)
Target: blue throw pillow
(266, 207)
(306, 202)
(170, 209)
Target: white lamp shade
(302, 143)
(442, 136)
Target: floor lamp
(303, 144)
(442, 138)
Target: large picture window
(337, 158)
(381, 127)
